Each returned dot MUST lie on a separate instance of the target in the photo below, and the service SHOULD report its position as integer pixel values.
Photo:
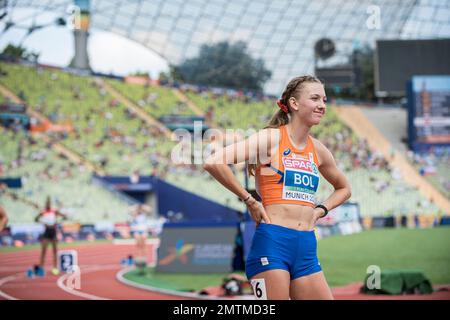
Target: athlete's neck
(298, 133)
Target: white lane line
(86, 269)
(74, 292)
(120, 277)
(61, 282)
(5, 280)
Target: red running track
(99, 264)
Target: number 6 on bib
(259, 289)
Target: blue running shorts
(277, 247)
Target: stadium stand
(435, 168)
(155, 100)
(45, 173)
(103, 132)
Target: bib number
(259, 289)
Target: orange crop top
(291, 177)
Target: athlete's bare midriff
(292, 216)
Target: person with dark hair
(286, 161)
(48, 217)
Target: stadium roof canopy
(281, 32)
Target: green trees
(17, 53)
(223, 65)
(364, 62)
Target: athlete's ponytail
(282, 116)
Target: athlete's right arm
(255, 149)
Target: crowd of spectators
(434, 165)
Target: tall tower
(81, 34)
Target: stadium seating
(105, 133)
(435, 168)
(157, 101)
(44, 173)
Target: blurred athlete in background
(139, 223)
(48, 217)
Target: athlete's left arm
(330, 171)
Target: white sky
(108, 53)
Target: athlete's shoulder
(269, 130)
(321, 150)
(267, 141)
(317, 143)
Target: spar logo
(179, 252)
(298, 164)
